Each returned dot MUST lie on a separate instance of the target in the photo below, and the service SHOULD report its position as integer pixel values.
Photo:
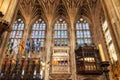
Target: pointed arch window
(83, 32)
(108, 38)
(60, 33)
(15, 36)
(38, 32)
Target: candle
(23, 72)
(101, 52)
(34, 72)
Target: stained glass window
(15, 36)
(60, 33)
(108, 38)
(83, 32)
(109, 41)
(112, 52)
(38, 32)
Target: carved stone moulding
(3, 25)
(60, 76)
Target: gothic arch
(84, 17)
(60, 12)
(19, 15)
(84, 12)
(43, 18)
(31, 10)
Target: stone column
(48, 50)
(116, 4)
(72, 50)
(26, 34)
(1, 2)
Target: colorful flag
(6, 61)
(27, 48)
(33, 46)
(22, 46)
(15, 46)
(38, 45)
(10, 44)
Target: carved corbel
(3, 24)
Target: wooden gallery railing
(88, 60)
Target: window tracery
(38, 32)
(108, 38)
(60, 33)
(83, 34)
(15, 36)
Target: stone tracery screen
(83, 34)
(60, 60)
(60, 33)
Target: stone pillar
(116, 4)
(97, 33)
(48, 50)
(72, 50)
(1, 2)
(26, 34)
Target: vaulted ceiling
(32, 9)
